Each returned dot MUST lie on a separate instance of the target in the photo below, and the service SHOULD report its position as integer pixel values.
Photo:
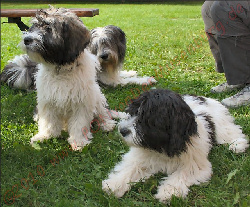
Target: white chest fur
(70, 84)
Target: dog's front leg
(79, 127)
(104, 115)
(189, 173)
(49, 123)
(134, 167)
(145, 81)
(127, 74)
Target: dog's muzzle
(28, 40)
(124, 132)
(104, 56)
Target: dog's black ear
(121, 45)
(122, 35)
(93, 47)
(165, 122)
(133, 108)
(76, 37)
(121, 40)
(77, 33)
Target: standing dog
(67, 91)
(172, 134)
(109, 45)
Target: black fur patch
(165, 122)
(211, 127)
(201, 99)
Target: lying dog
(67, 91)
(109, 45)
(172, 134)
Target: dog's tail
(20, 73)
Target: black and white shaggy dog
(68, 94)
(172, 134)
(109, 45)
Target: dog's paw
(145, 81)
(119, 114)
(124, 115)
(239, 145)
(38, 137)
(151, 80)
(165, 192)
(77, 145)
(115, 187)
(108, 125)
(127, 74)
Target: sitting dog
(67, 91)
(172, 134)
(109, 45)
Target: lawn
(166, 41)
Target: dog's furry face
(56, 36)
(160, 120)
(108, 44)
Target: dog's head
(108, 44)
(161, 121)
(57, 36)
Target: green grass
(166, 41)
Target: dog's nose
(124, 132)
(28, 40)
(104, 56)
